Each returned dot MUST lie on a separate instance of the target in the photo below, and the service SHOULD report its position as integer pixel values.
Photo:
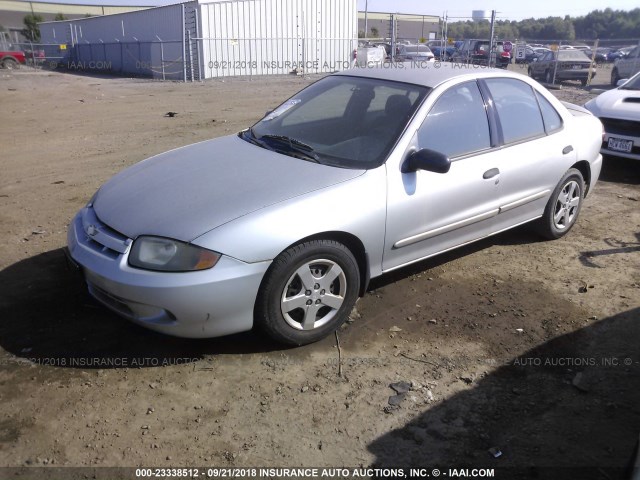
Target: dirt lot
(513, 343)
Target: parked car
(619, 112)
(281, 226)
(386, 46)
(602, 54)
(416, 53)
(618, 53)
(441, 53)
(568, 64)
(11, 59)
(531, 53)
(626, 66)
(477, 52)
(370, 55)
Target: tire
(563, 207)
(530, 73)
(10, 63)
(308, 292)
(548, 77)
(614, 77)
(583, 82)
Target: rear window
(572, 55)
(552, 119)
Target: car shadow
(620, 170)
(565, 409)
(47, 316)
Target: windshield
(348, 122)
(633, 83)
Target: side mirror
(621, 82)
(428, 160)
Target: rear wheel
(530, 72)
(563, 207)
(308, 292)
(615, 77)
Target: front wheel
(10, 63)
(563, 207)
(308, 292)
(548, 77)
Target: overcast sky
(507, 9)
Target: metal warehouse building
(211, 38)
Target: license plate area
(620, 144)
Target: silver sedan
(281, 226)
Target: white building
(211, 38)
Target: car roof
(428, 74)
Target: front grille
(615, 126)
(110, 301)
(100, 237)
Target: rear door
(536, 150)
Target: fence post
(593, 61)
(190, 53)
(184, 47)
(555, 64)
(162, 58)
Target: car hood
(186, 192)
(617, 103)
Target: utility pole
(366, 19)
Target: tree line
(602, 24)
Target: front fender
(357, 207)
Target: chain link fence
(592, 62)
(196, 58)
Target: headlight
(166, 255)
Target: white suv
(626, 67)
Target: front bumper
(628, 133)
(208, 303)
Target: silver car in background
(282, 226)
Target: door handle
(567, 149)
(491, 173)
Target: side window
(457, 123)
(517, 108)
(552, 119)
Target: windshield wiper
(295, 146)
(250, 137)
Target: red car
(12, 59)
